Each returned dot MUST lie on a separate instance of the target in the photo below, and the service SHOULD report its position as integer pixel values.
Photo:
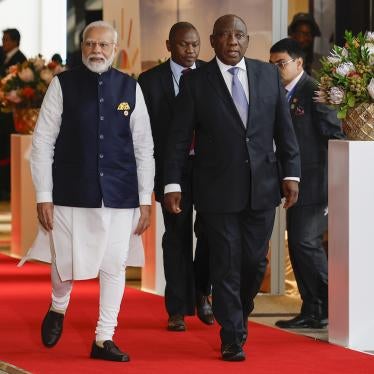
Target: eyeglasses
(91, 44)
(227, 34)
(283, 64)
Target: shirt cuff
(44, 197)
(145, 199)
(172, 187)
(296, 179)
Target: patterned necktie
(238, 95)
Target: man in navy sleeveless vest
(93, 168)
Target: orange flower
(28, 92)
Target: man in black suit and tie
(236, 108)
(11, 55)
(314, 125)
(187, 281)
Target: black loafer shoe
(176, 323)
(52, 328)
(299, 322)
(232, 352)
(110, 352)
(204, 310)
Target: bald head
(225, 19)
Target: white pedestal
(351, 241)
(23, 205)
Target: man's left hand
(291, 192)
(144, 220)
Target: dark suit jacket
(314, 125)
(233, 165)
(15, 59)
(158, 90)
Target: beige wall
(297, 6)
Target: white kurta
(86, 240)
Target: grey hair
(101, 24)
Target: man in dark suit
(314, 125)
(236, 107)
(10, 55)
(187, 281)
(11, 52)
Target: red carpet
(24, 297)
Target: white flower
(369, 36)
(26, 75)
(336, 95)
(345, 68)
(334, 60)
(344, 52)
(370, 88)
(370, 48)
(13, 97)
(38, 63)
(46, 75)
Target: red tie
(186, 70)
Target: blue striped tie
(238, 95)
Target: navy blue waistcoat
(94, 157)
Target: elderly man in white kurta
(93, 169)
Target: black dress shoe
(110, 352)
(299, 322)
(52, 328)
(176, 323)
(204, 310)
(232, 352)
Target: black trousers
(185, 276)
(306, 226)
(238, 244)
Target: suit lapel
(167, 82)
(252, 75)
(215, 78)
(299, 86)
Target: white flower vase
(359, 122)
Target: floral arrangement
(347, 74)
(26, 84)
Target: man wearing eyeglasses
(314, 125)
(93, 168)
(236, 108)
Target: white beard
(98, 67)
